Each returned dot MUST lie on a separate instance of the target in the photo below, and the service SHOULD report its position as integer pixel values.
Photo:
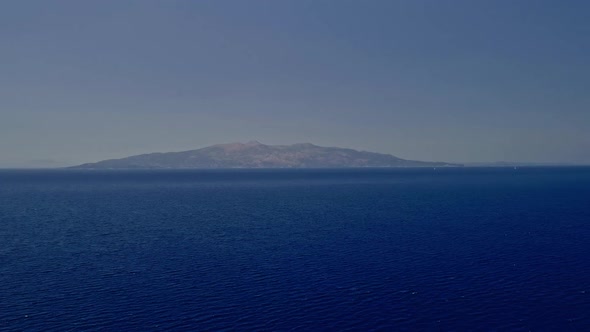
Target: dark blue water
(409, 249)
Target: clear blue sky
(453, 80)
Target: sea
(410, 249)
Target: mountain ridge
(254, 154)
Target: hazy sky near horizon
(453, 80)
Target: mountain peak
(253, 143)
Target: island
(257, 155)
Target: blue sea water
(451, 249)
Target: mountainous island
(258, 155)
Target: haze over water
(173, 83)
(455, 81)
(398, 249)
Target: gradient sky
(453, 80)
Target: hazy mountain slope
(257, 155)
